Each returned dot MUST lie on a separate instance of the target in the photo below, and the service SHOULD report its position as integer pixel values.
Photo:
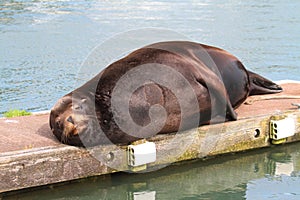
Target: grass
(16, 113)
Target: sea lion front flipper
(221, 105)
(261, 85)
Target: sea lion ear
(65, 100)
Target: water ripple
(43, 43)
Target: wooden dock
(30, 155)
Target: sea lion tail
(260, 85)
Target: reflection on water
(43, 43)
(270, 173)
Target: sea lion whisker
(64, 139)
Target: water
(44, 43)
(263, 174)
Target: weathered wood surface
(30, 155)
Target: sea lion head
(72, 121)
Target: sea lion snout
(69, 128)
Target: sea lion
(219, 81)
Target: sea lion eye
(77, 107)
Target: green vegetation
(16, 113)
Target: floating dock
(31, 156)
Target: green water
(272, 173)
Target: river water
(262, 174)
(44, 44)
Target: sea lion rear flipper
(261, 85)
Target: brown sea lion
(217, 80)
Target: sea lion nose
(70, 119)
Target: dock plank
(31, 156)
